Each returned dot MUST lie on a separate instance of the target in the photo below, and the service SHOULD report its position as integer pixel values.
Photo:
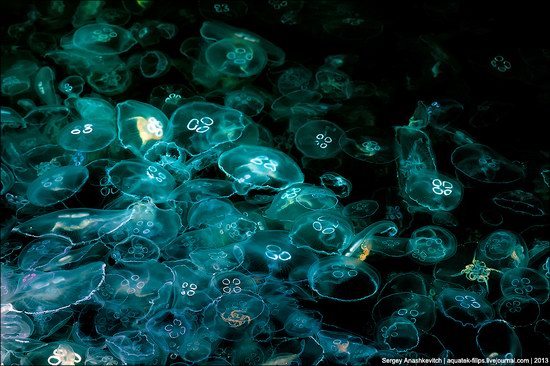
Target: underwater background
(274, 182)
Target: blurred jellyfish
(343, 279)
(368, 145)
(334, 181)
(247, 100)
(294, 78)
(44, 81)
(496, 339)
(520, 202)
(154, 64)
(318, 139)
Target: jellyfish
(236, 57)
(17, 70)
(301, 102)
(503, 249)
(91, 108)
(103, 39)
(318, 139)
(397, 333)
(519, 310)
(419, 309)
(154, 64)
(342, 278)
(496, 339)
(134, 347)
(214, 260)
(322, 231)
(345, 348)
(57, 185)
(44, 86)
(360, 209)
(247, 100)
(233, 282)
(333, 83)
(482, 164)
(433, 190)
(414, 151)
(214, 9)
(294, 78)
(139, 178)
(520, 202)
(201, 189)
(135, 249)
(431, 244)
(527, 282)
(56, 353)
(87, 135)
(464, 307)
(379, 237)
(259, 167)
(72, 85)
(169, 328)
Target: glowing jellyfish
(201, 126)
(171, 157)
(17, 71)
(216, 260)
(135, 249)
(169, 328)
(419, 309)
(298, 102)
(431, 244)
(7, 179)
(322, 231)
(443, 218)
(294, 78)
(92, 108)
(527, 282)
(56, 353)
(337, 183)
(318, 139)
(433, 190)
(72, 85)
(503, 249)
(87, 135)
(15, 325)
(57, 185)
(44, 86)
(134, 347)
(343, 278)
(259, 167)
(360, 209)
(103, 39)
(236, 57)
(303, 323)
(518, 310)
(496, 339)
(154, 64)
(464, 307)
(379, 237)
(140, 125)
(333, 83)
(299, 199)
(345, 348)
(414, 150)
(233, 282)
(247, 100)
(397, 333)
(482, 164)
(201, 189)
(140, 178)
(520, 202)
(47, 253)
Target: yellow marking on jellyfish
(144, 134)
(365, 254)
(515, 256)
(343, 347)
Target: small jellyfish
(322, 231)
(57, 185)
(464, 307)
(527, 282)
(92, 108)
(44, 86)
(259, 167)
(333, 83)
(135, 249)
(431, 244)
(134, 347)
(397, 333)
(419, 309)
(72, 85)
(140, 178)
(368, 145)
(87, 135)
(360, 209)
(334, 181)
(433, 190)
(503, 249)
(343, 278)
(247, 100)
(236, 57)
(103, 39)
(154, 64)
(294, 78)
(318, 139)
(520, 202)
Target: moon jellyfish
(140, 178)
(56, 353)
(345, 348)
(87, 136)
(343, 278)
(443, 218)
(334, 84)
(303, 323)
(482, 164)
(133, 347)
(464, 307)
(154, 64)
(50, 253)
(57, 185)
(322, 231)
(518, 310)
(236, 57)
(397, 333)
(503, 249)
(527, 282)
(202, 126)
(360, 209)
(169, 328)
(135, 249)
(379, 237)
(433, 190)
(335, 182)
(415, 153)
(294, 78)
(259, 167)
(496, 339)
(419, 309)
(247, 100)
(44, 86)
(103, 39)
(47, 292)
(318, 139)
(216, 260)
(520, 202)
(140, 125)
(92, 108)
(431, 244)
(15, 325)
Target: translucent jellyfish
(140, 125)
(345, 348)
(496, 339)
(318, 139)
(397, 333)
(502, 249)
(247, 100)
(87, 135)
(431, 244)
(47, 292)
(140, 178)
(112, 79)
(414, 151)
(7, 179)
(464, 307)
(56, 353)
(360, 209)
(237, 316)
(343, 278)
(15, 325)
(154, 64)
(202, 189)
(443, 218)
(103, 39)
(525, 281)
(298, 102)
(214, 9)
(17, 70)
(134, 347)
(482, 164)
(518, 310)
(323, 231)
(299, 199)
(201, 126)
(171, 157)
(520, 202)
(216, 260)
(248, 352)
(419, 309)
(270, 252)
(92, 108)
(259, 167)
(303, 323)
(135, 249)
(333, 83)
(236, 57)
(433, 190)
(72, 85)
(211, 213)
(294, 78)
(216, 31)
(379, 237)
(169, 328)
(334, 181)
(233, 282)
(57, 185)
(44, 86)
